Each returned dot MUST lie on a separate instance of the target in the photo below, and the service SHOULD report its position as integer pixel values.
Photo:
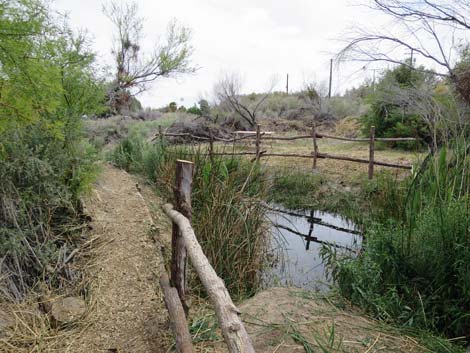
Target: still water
(296, 240)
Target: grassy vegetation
(415, 264)
(227, 214)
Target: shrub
(194, 110)
(47, 84)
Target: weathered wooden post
(315, 146)
(178, 323)
(258, 142)
(211, 147)
(183, 185)
(160, 134)
(371, 152)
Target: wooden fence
(259, 136)
(185, 246)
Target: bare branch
(420, 26)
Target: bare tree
(136, 69)
(228, 91)
(426, 28)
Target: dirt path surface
(126, 311)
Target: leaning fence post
(160, 134)
(258, 142)
(183, 184)
(371, 152)
(315, 147)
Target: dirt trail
(127, 313)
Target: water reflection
(297, 237)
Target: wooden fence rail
(259, 136)
(185, 245)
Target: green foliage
(194, 110)
(172, 107)
(204, 107)
(414, 269)
(462, 75)
(392, 108)
(46, 84)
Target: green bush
(393, 105)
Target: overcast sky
(257, 39)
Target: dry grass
(286, 320)
(32, 330)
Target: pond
(296, 240)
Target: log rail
(259, 136)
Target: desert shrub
(100, 132)
(344, 106)
(47, 84)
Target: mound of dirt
(286, 320)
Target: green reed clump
(228, 216)
(415, 265)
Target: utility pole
(331, 78)
(287, 84)
(373, 81)
(411, 57)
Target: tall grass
(415, 267)
(228, 217)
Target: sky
(258, 40)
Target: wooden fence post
(211, 147)
(371, 152)
(183, 184)
(160, 133)
(258, 142)
(178, 323)
(315, 146)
